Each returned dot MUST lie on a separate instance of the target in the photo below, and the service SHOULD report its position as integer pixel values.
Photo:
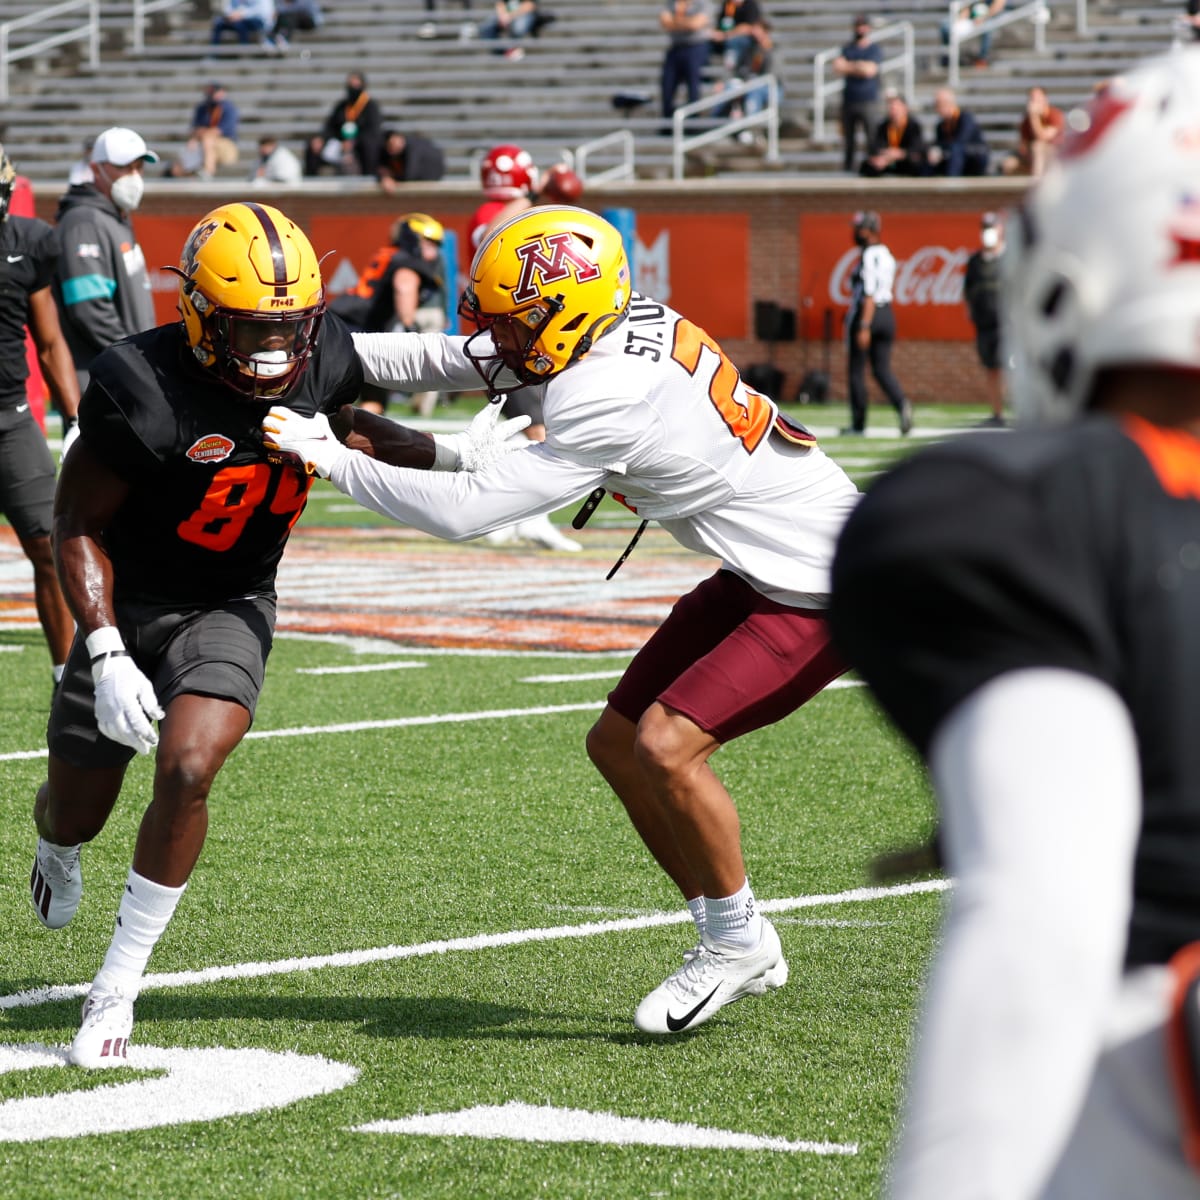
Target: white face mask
(990, 238)
(127, 191)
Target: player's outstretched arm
(378, 437)
(314, 440)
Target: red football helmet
(508, 172)
(561, 185)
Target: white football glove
(125, 699)
(484, 441)
(70, 436)
(309, 438)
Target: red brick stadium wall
(712, 248)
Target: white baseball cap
(121, 147)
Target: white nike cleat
(103, 1038)
(56, 885)
(541, 531)
(708, 981)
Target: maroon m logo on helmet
(551, 259)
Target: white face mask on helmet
(127, 191)
(1104, 256)
(990, 238)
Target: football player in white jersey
(642, 403)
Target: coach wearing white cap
(102, 286)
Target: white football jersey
(656, 414)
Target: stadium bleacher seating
(452, 88)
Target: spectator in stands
(982, 283)
(246, 18)
(755, 59)
(409, 158)
(898, 145)
(859, 64)
(212, 140)
(102, 286)
(735, 35)
(1190, 17)
(81, 169)
(687, 24)
(352, 138)
(1042, 130)
(969, 16)
(959, 147)
(291, 15)
(510, 19)
(276, 163)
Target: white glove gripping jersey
(656, 414)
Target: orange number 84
(232, 497)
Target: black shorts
(987, 343)
(220, 652)
(26, 474)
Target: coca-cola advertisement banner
(931, 252)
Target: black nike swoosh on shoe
(677, 1024)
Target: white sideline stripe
(386, 666)
(365, 645)
(515, 1121)
(436, 719)
(837, 683)
(570, 678)
(11, 649)
(411, 722)
(390, 723)
(482, 941)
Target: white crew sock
(696, 908)
(146, 908)
(733, 922)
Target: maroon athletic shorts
(730, 660)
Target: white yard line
(361, 669)
(483, 941)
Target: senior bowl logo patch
(211, 448)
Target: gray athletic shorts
(219, 651)
(26, 475)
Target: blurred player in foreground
(1025, 608)
(170, 520)
(641, 402)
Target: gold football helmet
(251, 298)
(425, 226)
(544, 286)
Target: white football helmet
(1104, 253)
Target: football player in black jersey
(28, 251)
(170, 520)
(1027, 610)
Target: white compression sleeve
(1038, 787)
